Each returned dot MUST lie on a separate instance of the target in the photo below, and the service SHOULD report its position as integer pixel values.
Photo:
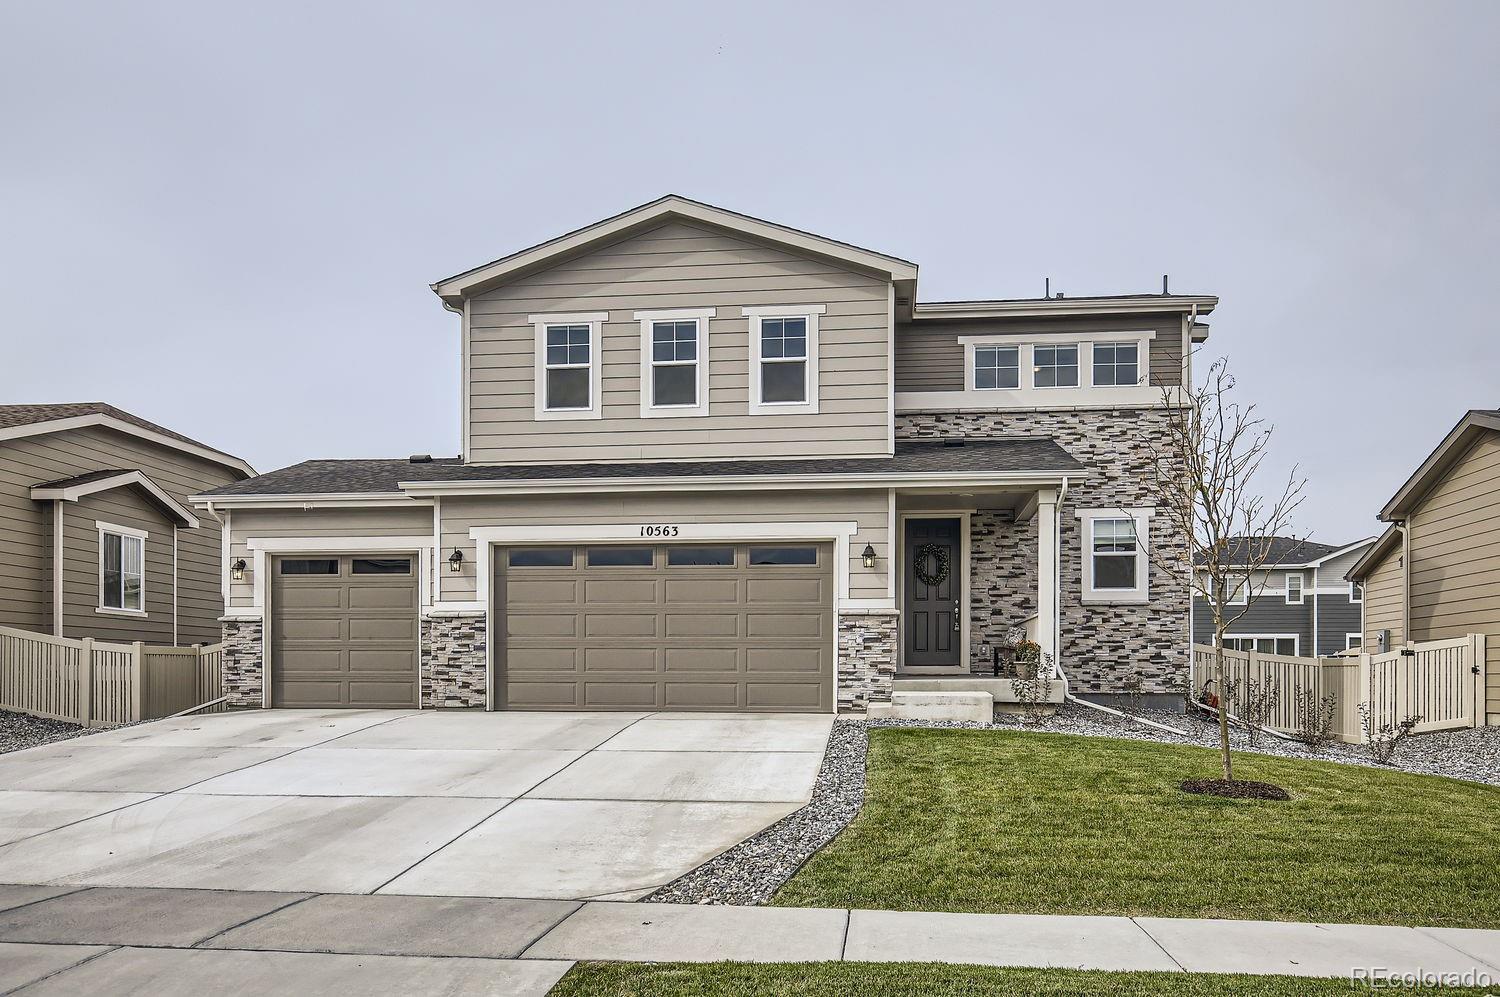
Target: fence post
(86, 682)
(1478, 649)
(138, 682)
(1364, 693)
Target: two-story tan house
(96, 535)
(711, 462)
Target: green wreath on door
(935, 558)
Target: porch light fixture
(868, 554)
(455, 560)
(237, 570)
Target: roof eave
(1062, 306)
(72, 493)
(1427, 474)
(1378, 551)
(876, 479)
(119, 425)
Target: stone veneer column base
(453, 662)
(243, 665)
(867, 658)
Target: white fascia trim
(130, 429)
(1133, 596)
(486, 537)
(810, 362)
(262, 549)
(1339, 553)
(1026, 399)
(362, 500)
(700, 317)
(1061, 306)
(778, 482)
(595, 321)
(73, 493)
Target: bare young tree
(1205, 465)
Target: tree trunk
(1223, 702)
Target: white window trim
(971, 351)
(1142, 591)
(700, 316)
(1348, 637)
(1028, 395)
(1239, 591)
(1356, 595)
(1301, 588)
(755, 315)
(1294, 638)
(595, 322)
(122, 531)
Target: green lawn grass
(998, 821)
(897, 979)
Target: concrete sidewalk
(173, 941)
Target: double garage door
(610, 627)
(668, 627)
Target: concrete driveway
(532, 805)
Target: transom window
(1055, 366)
(309, 566)
(540, 557)
(122, 569)
(783, 358)
(997, 367)
(1115, 554)
(783, 555)
(674, 362)
(1116, 364)
(569, 355)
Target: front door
(934, 590)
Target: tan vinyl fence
(100, 684)
(1440, 681)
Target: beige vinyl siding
(681, 266)
(1454, 546)
(929, 356)
(25, 525)
(870, 508)
(1384, 595)
(414, 520)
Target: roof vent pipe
(1164, 278)
(420, 458)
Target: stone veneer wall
(1103, 646)
(867, 658)
(453, 662)
(242, 665)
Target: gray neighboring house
(710, 462)
(1301, 604)
(97, 538)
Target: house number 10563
(659, 531)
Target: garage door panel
(707, 637)
(344, 640)
(702, 659)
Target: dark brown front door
(933, 588)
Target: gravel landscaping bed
(751, 871)
(17, 731)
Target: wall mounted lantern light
(237, 570)
(455, 560)
(869, 556)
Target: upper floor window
(1294, 588)
(1116, 364)
(784, 358)
(567, 365)
(122, 569)
(1055, 366)
(1115, 566)
(674, 362)
(997, 367)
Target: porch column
(1046, 571)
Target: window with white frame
(997, 367)
(1054, 366)
(784, 358)
(1285, 644)
(122, 569)
(1356, 592)
(1294, 588)
(1116, 364)
(1115, 565)
(1353, 642)
(674, 362)
(1238, 587)
(567, 365)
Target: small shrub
(1135, 693)
(1314, 717)
(1033, 686)
(1383, 741)
(1257, 705)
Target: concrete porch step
(999, 690)
(945, 705)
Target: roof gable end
(1471, 427)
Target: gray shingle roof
(1281, 551)
(83, 479)
(332, 477)
(26, 415)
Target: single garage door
(344, 631)
(668, 627)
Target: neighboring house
(711, 462)
(96, 535)
(1300, 603)
(1434, 573)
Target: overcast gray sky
(225, 217)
